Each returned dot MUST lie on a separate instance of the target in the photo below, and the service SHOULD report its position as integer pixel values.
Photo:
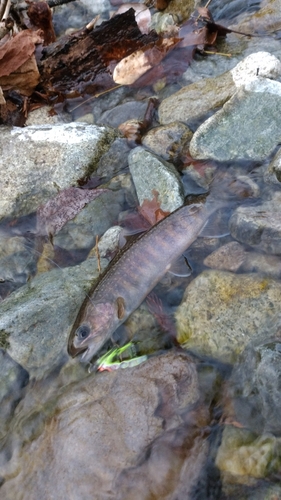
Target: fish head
(93, 329)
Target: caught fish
(134, 272)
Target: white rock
(256, 65)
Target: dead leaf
(40, 15)
(17, 51)
(131, 68)
(52, 216)
(151, 211)
(24, 79)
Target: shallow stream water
(221, 440)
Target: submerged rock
(152, 173)
(17, 263)
(93, 220)
(228, 257)
(221, 312)
(259, 226)
(13, 379)
(115, 160)
(35, 321)
(254, 386)
(244, 456)
(272, 174)
(123, 112)
(197, 99)
(38, 161)
(98, 432)
(265, 20)
(234, 257)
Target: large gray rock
(221, 312)
(35, 321)
(38, 161)
(152, 173)
(246, 128)
(114, 434)
(259, 226)
(209, 94)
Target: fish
(134, 272)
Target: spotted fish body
(133, 274)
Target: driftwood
(83, 62)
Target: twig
(3, 8)
(205, 7)
(207, 4)
(92, 23)
(217, 53)
(98, 253)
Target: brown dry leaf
(151, 211)
(52, 216)
(46, 260)
(24, 79)
(17, 51)
(131, 68)
(40, 15)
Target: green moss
(101, 148)
(4, 343)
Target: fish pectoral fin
(180, 267)
(121, 310)
(215, 226)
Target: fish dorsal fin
(121, 310)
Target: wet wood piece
(83, 62)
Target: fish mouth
(85, 352)
(75, 351)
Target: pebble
(168, 141)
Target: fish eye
(83, 332)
